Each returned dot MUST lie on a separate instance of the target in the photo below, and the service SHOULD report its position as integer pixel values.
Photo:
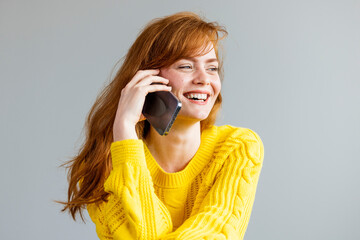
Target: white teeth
(198, 96)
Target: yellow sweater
(211, 198)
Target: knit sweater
(211, 198)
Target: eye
(185, 67)
(214, 69)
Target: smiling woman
(199, 181)
(196, 83)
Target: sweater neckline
(193, 168)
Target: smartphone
(160, 109)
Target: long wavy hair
(161, 43)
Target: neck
(174, 151)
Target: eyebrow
(207, 61)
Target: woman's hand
(131, 102)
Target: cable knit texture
(211, 198)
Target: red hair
(162, 42)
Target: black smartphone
(160, 109)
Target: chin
(201, 116)
(197, 117)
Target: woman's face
(196, 83)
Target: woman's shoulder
(230, 138)
(229, 132)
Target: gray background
(292, 75)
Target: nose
(201, 77)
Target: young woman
(199, 181)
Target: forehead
(209, 56)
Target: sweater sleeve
(225, 210)
(133, 211)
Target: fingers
(150, 74)
(134, 93)
(156, 88)
(148, 80)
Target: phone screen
(160, 109)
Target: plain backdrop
(292, 74)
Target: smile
(197, 97)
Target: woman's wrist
(123, 131)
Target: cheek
(174, 79)
(217, 87)
(176, 84)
